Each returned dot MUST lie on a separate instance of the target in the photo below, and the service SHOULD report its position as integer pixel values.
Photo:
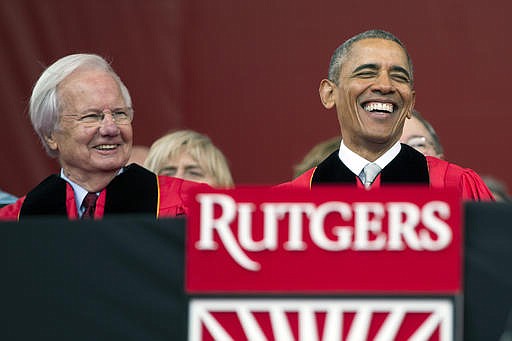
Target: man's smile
(384, 107)
(106, 146)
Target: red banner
(329, 240)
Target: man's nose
(108, 125)
(383, 83)
(108, 116)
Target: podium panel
(116, 279)
(123, 278)
(488, 272)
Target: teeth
(378, 106)
(106, 146)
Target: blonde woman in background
(189, 155)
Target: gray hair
(45, 106)
(340, 54)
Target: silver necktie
(369, 173)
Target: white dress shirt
(356, 163)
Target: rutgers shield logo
(321, 319)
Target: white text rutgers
(420, 228)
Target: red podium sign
(330, 240)
(328, 264)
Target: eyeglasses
(420, 143)
(93, 117)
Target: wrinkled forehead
(90, 88)
(377, 51)
(85, 77)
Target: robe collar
(135, 190)
(408, 167)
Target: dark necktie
(89, 204)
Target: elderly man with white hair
(83, 114)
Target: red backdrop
(247, 73)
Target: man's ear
(413, 102)
(327, 93)
(50, 140)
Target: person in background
(419, 134)
(498, 188)
(83, 114)
(371, 84)
(189, 155)
(6, 198)
(316, 155)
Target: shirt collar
(79, 191)
(356, 163)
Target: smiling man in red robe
(371, 85)
(83, 114)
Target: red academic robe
(136, 190)
(408, 167)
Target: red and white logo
(327, 240)
(260, 246)
(321, 319)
